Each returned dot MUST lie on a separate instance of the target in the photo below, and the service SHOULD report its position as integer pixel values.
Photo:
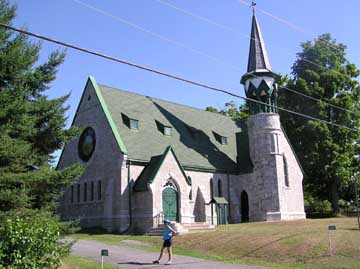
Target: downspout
(229, 203)
(129, 195)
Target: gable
(92, 112)
(156, 163)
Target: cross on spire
(253, 5)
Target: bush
(69, 227)
(28, 239)
(314, 205)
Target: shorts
(167, 243)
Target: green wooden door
(170, 207)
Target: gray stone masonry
(271, 197)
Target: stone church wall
(272, 199)
(104, 166)
(291, 196)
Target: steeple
(258, 57)
(259, 80)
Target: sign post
(104, 252)
(353, 178)
(330, 228)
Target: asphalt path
(130, 258)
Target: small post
(330, 228)
(353, 178)
(104, 252)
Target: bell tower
(275, 187)
(259, 80)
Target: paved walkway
(129, 258)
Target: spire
(258, 57)
(259, 81)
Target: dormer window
(167, 130)
(134, 124)
(223, 140)
(164, 129)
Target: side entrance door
(170, 205)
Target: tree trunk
(335, 195)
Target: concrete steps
(198, 227)
(184, 228)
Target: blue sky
(198, 50)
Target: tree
(32, 127)
(31, 124)
(232, 111)
(327, 153)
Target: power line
(288, 23)
(167, 75)
(163, 38)
(207, 20)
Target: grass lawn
(294, 244)
(74, 262)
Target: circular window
(87, 143)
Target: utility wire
(288, 23)
(158, 72)
(207, 20)
(163, 38)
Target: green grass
(294, 244)
(74, 262)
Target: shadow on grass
(248, 254)
(161, 265)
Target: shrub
(28, 239)
(315, 205)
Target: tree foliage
(28, 239)
(241, 113)
(32, 126)
(327, 153)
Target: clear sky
(169, 40)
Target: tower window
(286, 172)
(274, 143)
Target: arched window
(211, 188)
(220, 194)
(286, 172)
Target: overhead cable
(207, 20)
(158, 72)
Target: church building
(147, 159)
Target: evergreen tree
(31, 124)
(327, 153)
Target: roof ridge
(171, 102)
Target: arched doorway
(244, 207)
(170, 204)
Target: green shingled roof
(192, 137)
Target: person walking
(168, 233)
